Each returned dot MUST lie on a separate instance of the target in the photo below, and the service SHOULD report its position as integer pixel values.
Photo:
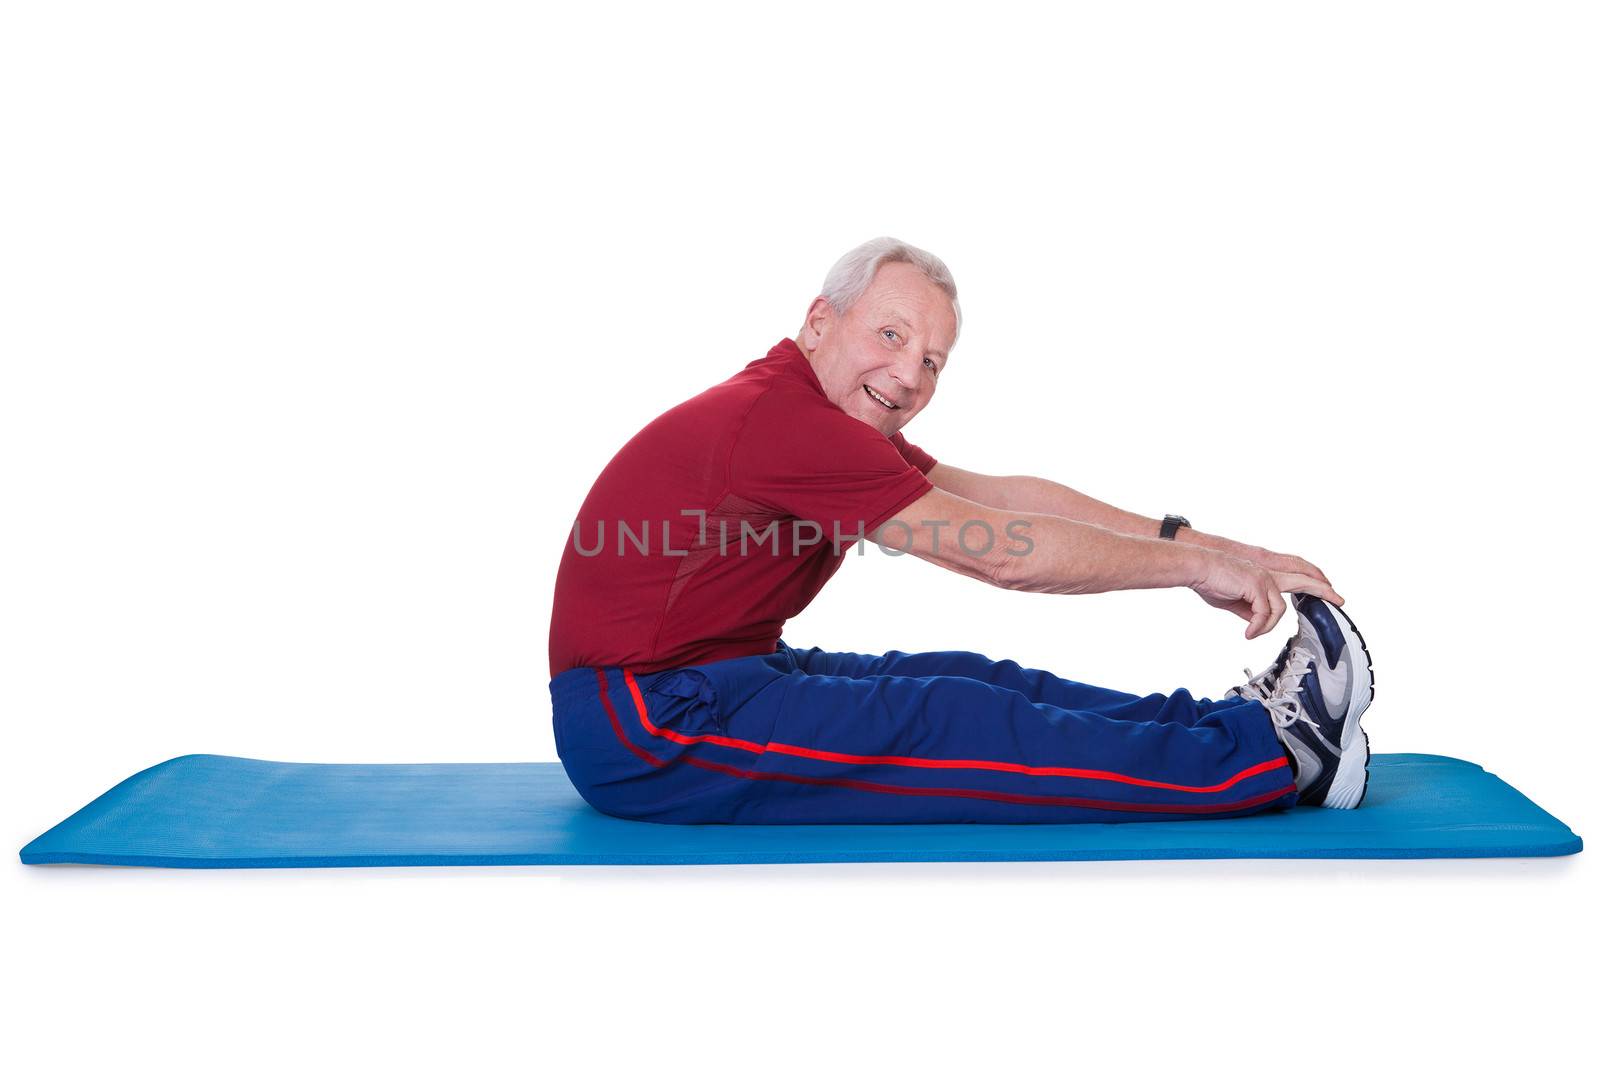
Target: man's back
(646, 582)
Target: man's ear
(819, 320)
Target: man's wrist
(1181, 563)
(1198, 563)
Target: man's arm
(1020, 492)
(1036, 552)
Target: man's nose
(905, 371)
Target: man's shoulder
(728, 401)
(766, 399)
(760, 385)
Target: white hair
(855, 270)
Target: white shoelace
(1279, 700)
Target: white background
(320, 319)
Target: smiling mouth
(879, 397)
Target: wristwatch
(1170, 524)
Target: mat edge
(1552, 850)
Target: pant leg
(752, 740)
(1039, 686)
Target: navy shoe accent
(1311, 697)
(1318, 613)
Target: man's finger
(1297, 565)
(1290, 582)
(1260, 612)
(1276, 601)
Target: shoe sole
(1349, 787)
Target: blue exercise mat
(218, 811)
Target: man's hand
(1255, 593)
(1277, 562)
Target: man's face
(892, 343)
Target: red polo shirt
(774, 464)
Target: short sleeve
(913, 455)
(804, 457)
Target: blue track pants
(807, 736)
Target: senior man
(675, 698)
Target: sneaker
(1316, 693)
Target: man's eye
(891, 333)
(931, 365)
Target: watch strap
(1170, 526)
